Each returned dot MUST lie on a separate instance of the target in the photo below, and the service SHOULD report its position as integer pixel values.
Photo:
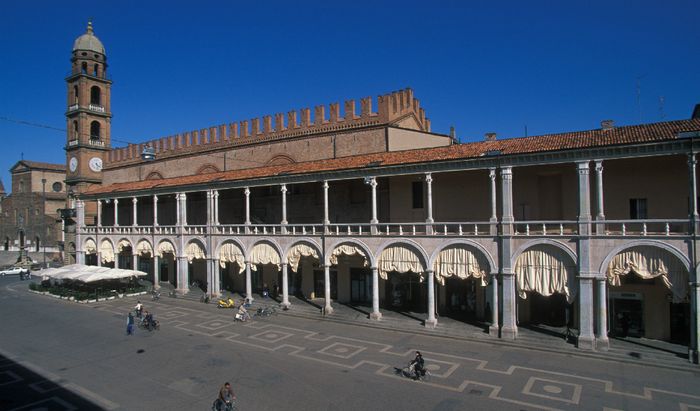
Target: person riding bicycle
(226, 397)
(418, 365)
(149, 321)
(242, 313)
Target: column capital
(371, 181)
(492, 173)
(210, 194)
(116, 201)
(583, 166)
(598, 166)
(155, 198)
(246, 191)
(283, 188)
(692, 160)
(325, 184)
(216, 193)
(507, 173)
(134, 200)
(428, 178)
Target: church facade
(594, 230)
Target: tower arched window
(84, 68)
(75, 94)
(95, 96)
(95, 130)
(95, 70)
(76, 131)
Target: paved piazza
(56, 355)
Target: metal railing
(649, 227)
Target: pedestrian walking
(130, 324)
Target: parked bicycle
(265, 311)
(155, 295)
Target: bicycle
(204, 299)
(265, 311)
(155, 295)
(409, 371)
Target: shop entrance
(405, 292)
(319, 284)
(360, 285)
(626, 314)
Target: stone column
(116, 212)
(693, 349)
(99, 258)
(135, 201)
(326, 220)
(283, 189)
(602, 342)
(215, 290)
(600, 211)
(494, 218)
(248, 283)
(431, 322)
(509, 330)
(178, 215)
(285, 286)
(155, 210)
(210, 274)
(429, 184)
(246, 192)
(182, 274)
(134, 259)
(493, 328)
(375, 314)
(328, 309)
(210, 206)
(586, 338)
(156, 271)
(99, 213)
(183, 208)
(373, 184)
(693, 192)
(216, 207)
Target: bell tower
(89, 113)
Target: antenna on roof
(525, 130)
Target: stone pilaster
(431, 322)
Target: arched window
(95, 130)
(76, 134)
(95, 69)
(95, 95)
(75, 94)
(84, 68)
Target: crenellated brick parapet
(394, 108)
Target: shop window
(638, 208)
(417, 194)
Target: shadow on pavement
(24, 389)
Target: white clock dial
(96, 164)
(73, 164)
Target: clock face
(73, 164)
(96, 164)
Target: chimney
(696, 112)
(607, 124)
(490, 137)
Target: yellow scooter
(226, 303)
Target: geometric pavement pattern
(543, 389)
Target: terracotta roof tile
(550, 142)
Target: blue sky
(481, 67)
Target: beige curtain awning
(300, 250)
(194, 252)
(165, 247)
(106, 252)
(545, 271)
(648, 263)
(143, 248)
(122, 245)
(90, 247)
(348, 250)
(264, 254)
(460, 262)
(400, 259)
(231, 253)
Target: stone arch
(106, 251)
(639, 243)
(544, 241)
(296, 248)
(124, 242)
(468, 260)
(410, 245)
(650, 266)
(369, 257)
(144, 246)
(208, 168)
(493, 267)
(160, 250)
(154, 175)
(550, 269)
(250, 254)
(89, 246)
(195, 250)
(279, 160)
(232, 255)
